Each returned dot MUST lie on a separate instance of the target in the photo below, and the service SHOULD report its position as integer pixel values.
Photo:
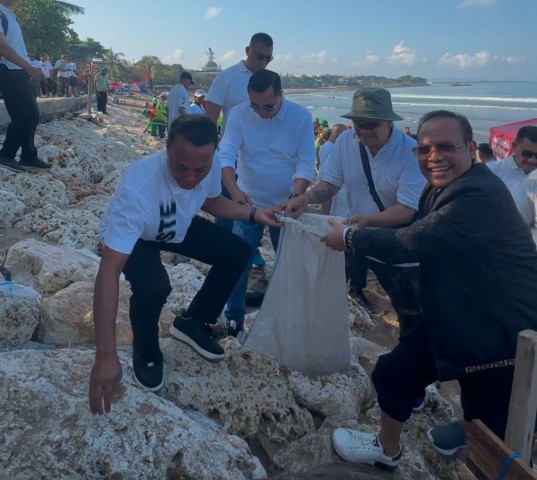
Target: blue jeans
(252, 234)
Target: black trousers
(401, 376)
(22, 107)
(102, 98)
(150, 284)
(400, 283)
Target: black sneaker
(148, 370)
(233, 328)
(197, 335)
(36, 164)
(10, 163)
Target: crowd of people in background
(63, 77)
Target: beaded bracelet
(348, 240)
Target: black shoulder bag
(369, 177)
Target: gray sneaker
(10, 163)
(447, 439)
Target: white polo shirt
(272, 152)
(229, 88)
(526, 202)
(46, 68)
(149, 205)
(339, 206)
(177, 98)
(394, 169)
(13, 38)
(509, 172)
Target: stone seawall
(49, 109)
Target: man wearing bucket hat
(375, 162)
(178, 98)
(196, 107)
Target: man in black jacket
(478, 269)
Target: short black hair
(263, 79)
(529, 132)
(464, 124)
(196, 129)
(485, 148)
(262, 38)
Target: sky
(436, 39)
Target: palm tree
(70, 9)
(118, 63)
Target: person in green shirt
(101, 89)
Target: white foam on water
(464, 97)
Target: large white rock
(48, 431)
(20, 310)
(68, 316)
(48, 268)
(11, 209)
(35, 190)
(76, 226)
(256, 397)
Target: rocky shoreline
(244, 418)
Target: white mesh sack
(304, 321)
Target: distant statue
(211, 65)
(210, 54)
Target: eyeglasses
(444, 147)
(267, 58)
(365, 125)
(269, 107)
(528, 154)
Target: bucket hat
(372, 103)
(199, 93)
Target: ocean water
(485, 104)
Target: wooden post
(523, 405)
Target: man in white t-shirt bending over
(154, 209)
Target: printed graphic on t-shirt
(168, 220)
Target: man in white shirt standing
(513, 170)
(273, 141)
(62, 67)
(178, 98)
(155, 209)
(19, 99)
(46, 67)
(229, 86)
(375, 143)
(196, 107)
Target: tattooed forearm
(322, 192)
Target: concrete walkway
(49, 109)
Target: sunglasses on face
(441, 148)
(528, 154)
(267, 58)
(365, 125)
(269, 107)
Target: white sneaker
(361, 447)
